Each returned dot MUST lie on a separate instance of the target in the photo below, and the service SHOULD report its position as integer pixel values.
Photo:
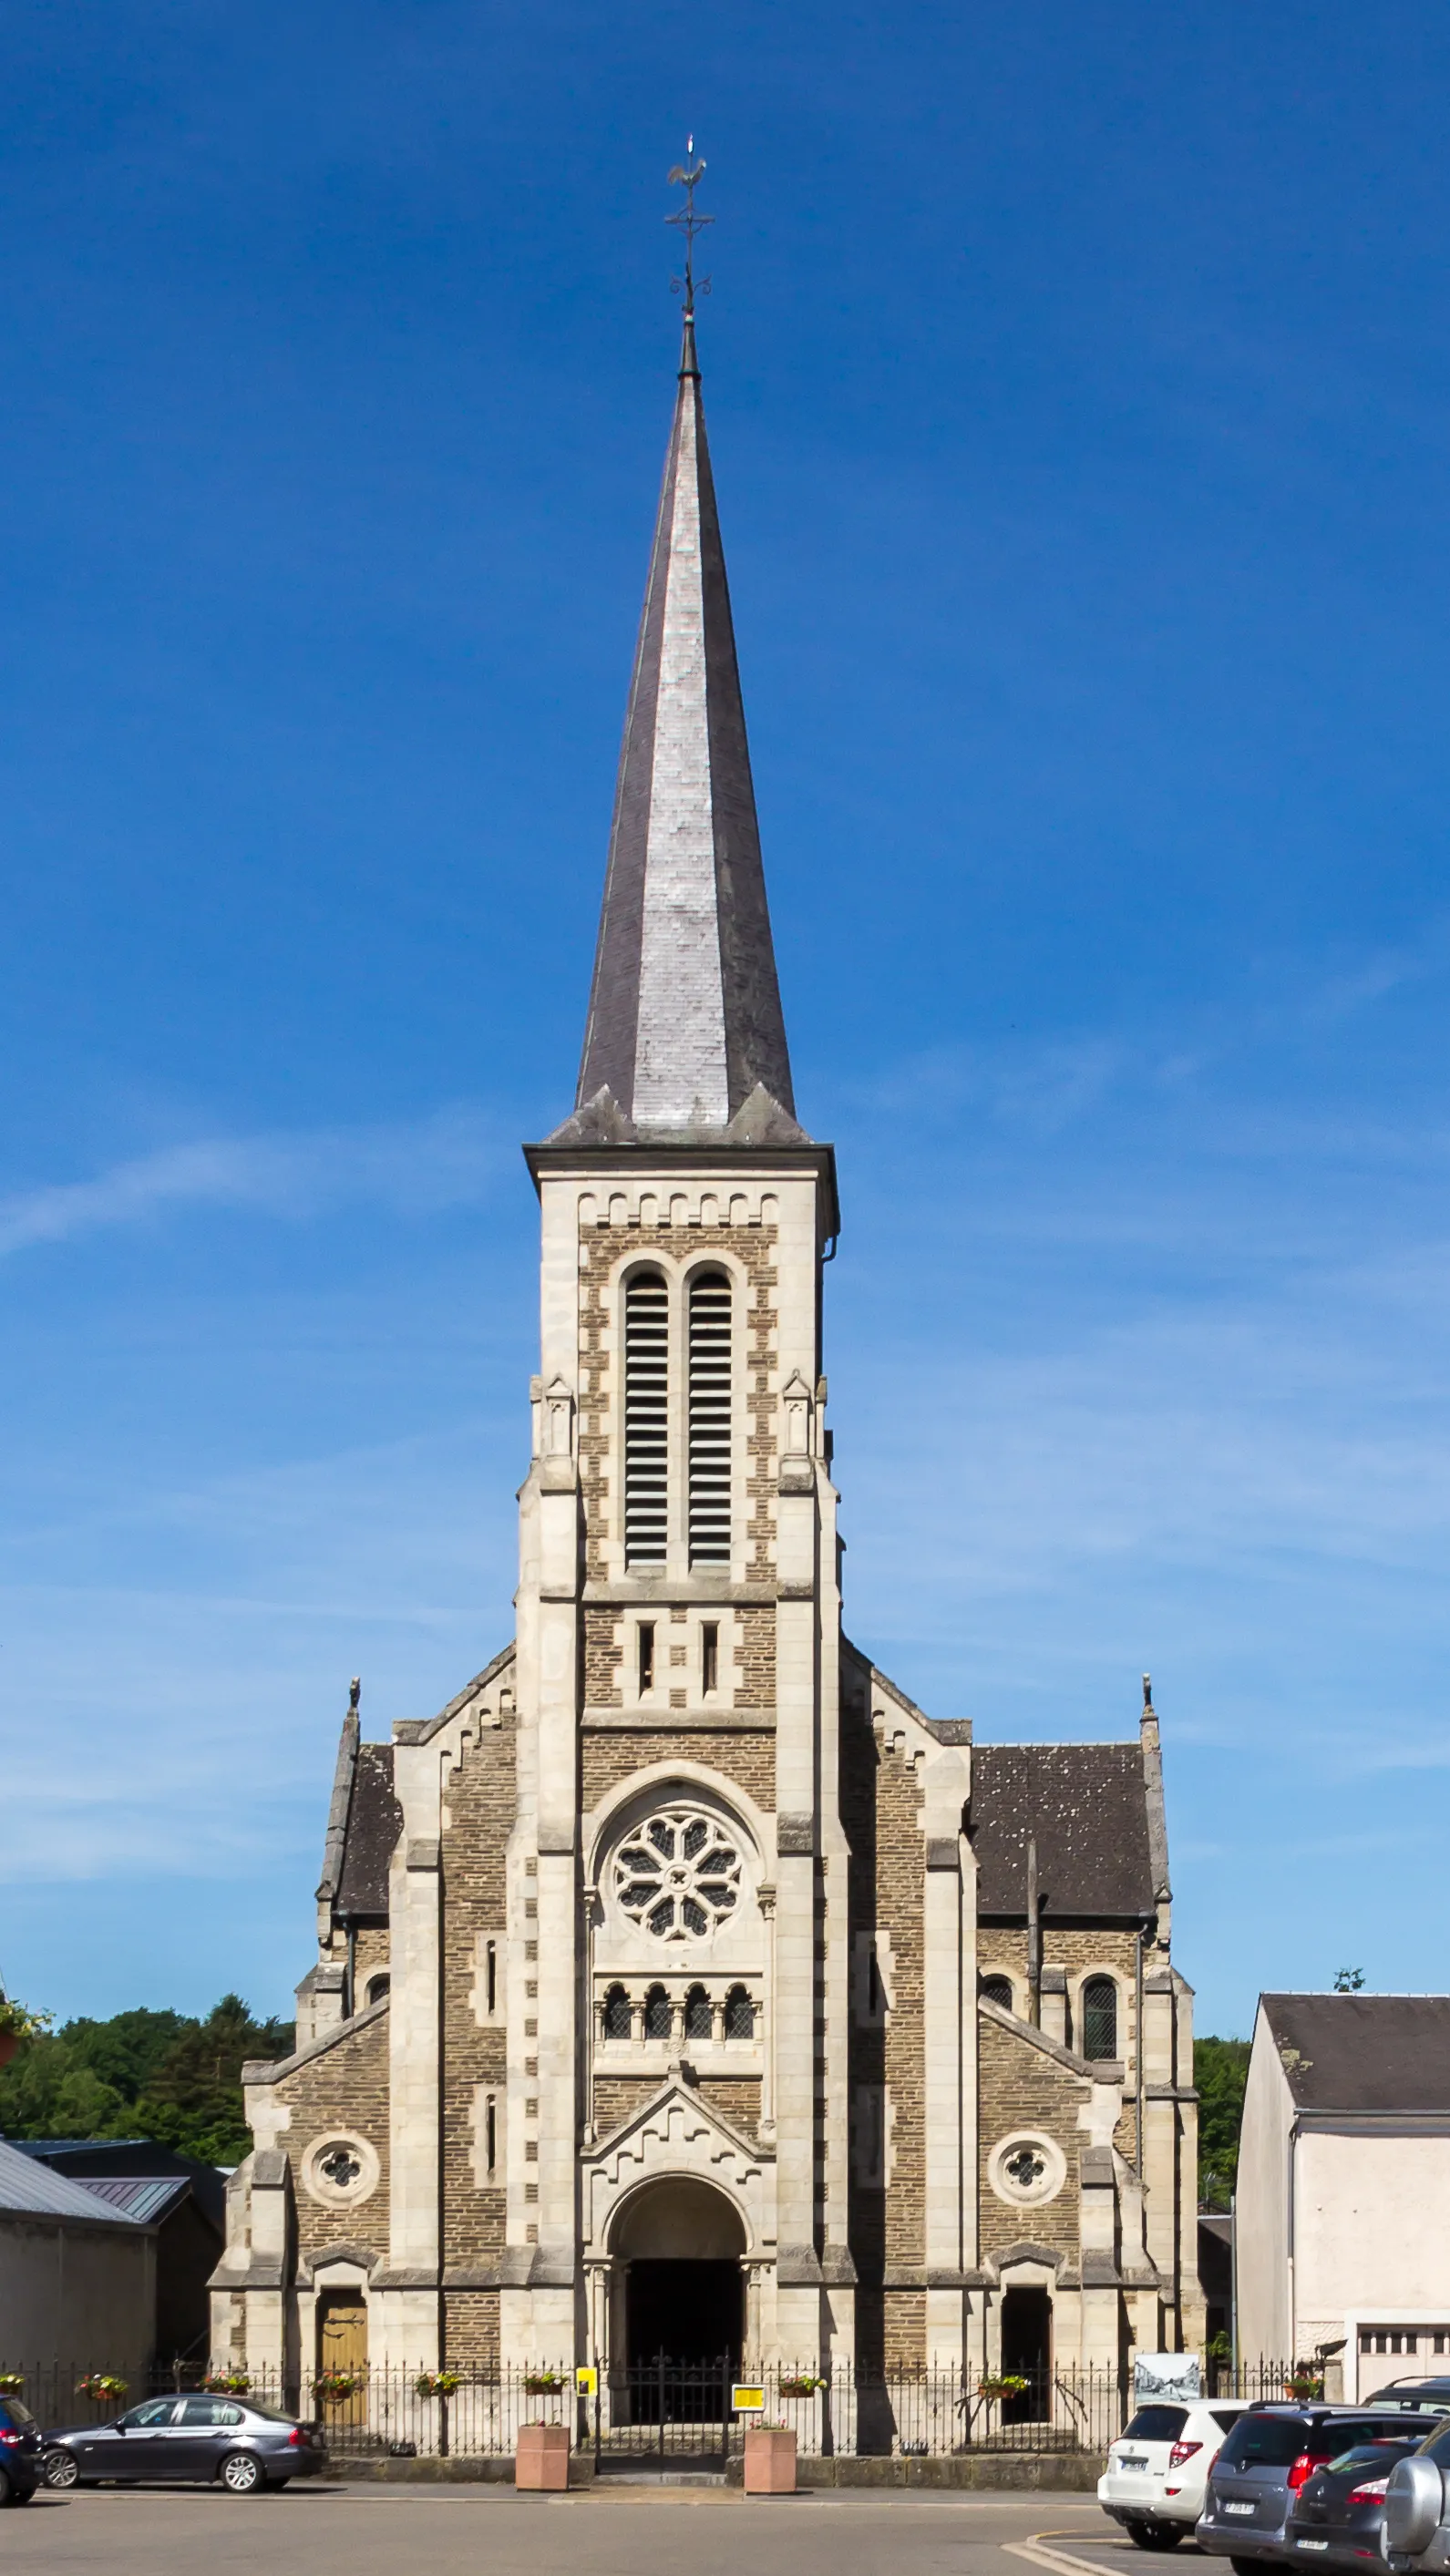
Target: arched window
(377, 1988)
(998, 1990)
(739, 2014)
(657, 2014)
(699, 2019)
(646, 1418)
(616, 2014)
(710, 1418)
(1100, 2018)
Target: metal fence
(659, 2411)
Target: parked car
(1157, 2468)
(1337, 2519)
(1254, 2484)
(1432, 2395)
(20, 2452)
(1417, 2507)
(231, 2440)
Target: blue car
(21, 2451)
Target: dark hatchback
(198, 2440)
(20, 2452)
(1269, 2457)
(1338, 2516)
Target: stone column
(944, 1794)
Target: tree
(162, 2075)
(1220, 2071)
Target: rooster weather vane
(688, 222)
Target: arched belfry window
(1100, 2018)
(646, 1418)
(710, 1418)
(998, 1990)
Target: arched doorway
(677, 2247)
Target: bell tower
(678, 1610)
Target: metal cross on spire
(688, 222)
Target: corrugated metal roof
(140, 2196)
(28, 2185)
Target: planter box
(769, 2460)
(542, 2457)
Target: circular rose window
(1028, 2167)
(678, 1876)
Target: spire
(685, 1031)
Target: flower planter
(541, 2460)
(769, 2460)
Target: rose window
(341, 2167)
(679, 1876)
(1025, 2166)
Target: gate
(654, 2413)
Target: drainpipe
(1034, 1939)
(349, 1974)
(1138, 2046)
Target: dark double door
(683, 2324)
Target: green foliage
(157, 2075)
(1220, 2071)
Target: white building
(1344, 2186)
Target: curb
(1066, 2472)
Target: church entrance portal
(1027, 2353)
(679, 2310)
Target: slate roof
(685, 1025)
(1086, 1807)
(374, 1822)
(27, 2185)
(1363, 2052)
(146, 2198)
(94, 2162)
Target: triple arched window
(709, 1358)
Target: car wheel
(241, 2473)
(1164, 2535)
(7, 2490)
(61, 2469)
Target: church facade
(681, 1986)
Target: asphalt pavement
(327, 2530)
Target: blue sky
(1077, 382)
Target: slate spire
(685, 1033)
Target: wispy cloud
(416, 1168)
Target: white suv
(1158, 2469)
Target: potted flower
(335, 2387)
(1304, 2382)
(801, 2383)
(102, 2387)
(544, 2383)
(226, 2383)
(17, 2024)
(12, 2383)
(1001, 2385)
(438, 2383)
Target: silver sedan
(230, 2441)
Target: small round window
(340, 2168)
(678, 1875)
(1027, 2167)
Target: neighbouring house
(183, 2199)
(1344, 2186)
(77, 2277)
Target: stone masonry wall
(479, 1804)
(612, 1754)
(1023, 2088)
(346, 2088)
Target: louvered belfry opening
(710, 1418)
(646, 1419)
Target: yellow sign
(587, 2382)
(747, 2401)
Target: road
(328, 2530)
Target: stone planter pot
(769, 2460)
(542, 2457)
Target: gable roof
(1363, 2052)
(1086, 1807)
(27, 2185)
(374, 1822)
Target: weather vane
(689, 223)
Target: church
(681, 1987)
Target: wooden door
(342, 2347)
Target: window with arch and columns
(707, 1418)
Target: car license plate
(1311, 2544)
(1241, 2508)
(1125, 2463)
